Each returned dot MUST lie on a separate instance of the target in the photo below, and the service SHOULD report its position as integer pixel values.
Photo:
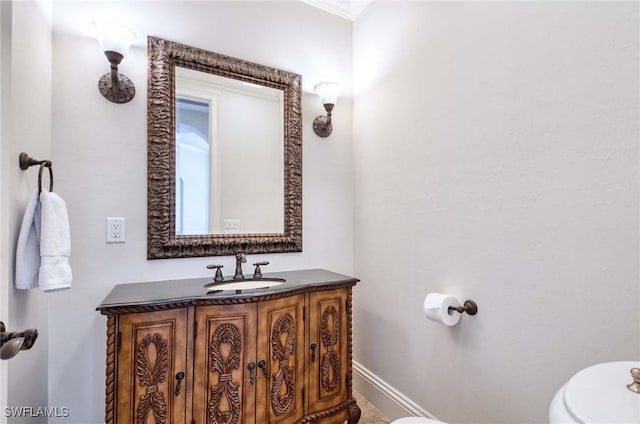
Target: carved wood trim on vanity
(350, 407)
(110, 389)
(330, 359)
(152, 372)
(225, 333)
(346, 409)
(282, 404)
(152, 307)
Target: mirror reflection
(229, 155)
(224, 164)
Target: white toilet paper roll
(436, 308)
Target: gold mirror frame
(162, 241)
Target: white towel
(55, 243)
(28, 248)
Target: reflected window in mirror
(193, 169)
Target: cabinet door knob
(313, 346)
(262, 364)
(252, 372)
(179, 377)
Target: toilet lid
(599, 394)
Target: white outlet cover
(231, 226)
(115, 230)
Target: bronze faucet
(220, 280)
(240, 259)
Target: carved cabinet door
(151, 355)
(280, 360)
(328, 334)
(224, 364)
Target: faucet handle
(218, 276)
(258, 272)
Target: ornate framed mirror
(224, 158)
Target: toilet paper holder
(470, 307)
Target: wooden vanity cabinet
(329, 364)
(225, 345)
(151, 351)
(281, 358)
(249, 362)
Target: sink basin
(249, 284)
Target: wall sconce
(12, 343)
(328, 93)
(115, 41)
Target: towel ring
(26, 161)
(46, 164)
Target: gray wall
(26, 126)
(496, 158)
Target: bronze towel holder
(27, 161)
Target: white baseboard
(389, 401)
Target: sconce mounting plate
(124, 93)
(322, 126)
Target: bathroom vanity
(177, 353)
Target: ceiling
(76, 17)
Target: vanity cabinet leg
(354, 413)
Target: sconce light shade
(328, 93)
(114, 37)
(115, 40)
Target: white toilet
(598, 394)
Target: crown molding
(345, 9)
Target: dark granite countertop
(192, 290)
